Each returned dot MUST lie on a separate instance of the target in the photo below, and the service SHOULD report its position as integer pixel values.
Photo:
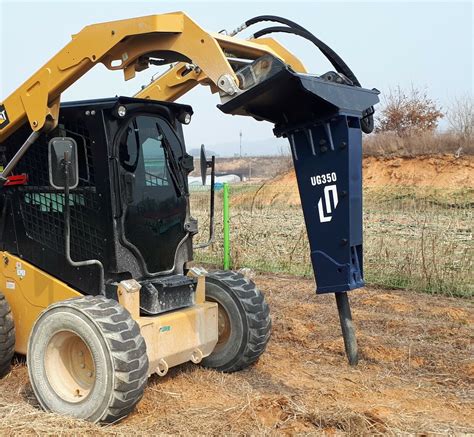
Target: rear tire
(87, 359)
(244, 321)
(7, 336)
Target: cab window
(143, 135)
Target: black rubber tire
(249, 317)
(7, 336)
(115, 347)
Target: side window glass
(156, 172)
(129, 151)
(142, 151)
(155, 164)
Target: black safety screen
(42, 207)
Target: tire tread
(257, 314)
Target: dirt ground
(416, 374)
(442, 171)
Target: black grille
(42, 208)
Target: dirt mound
(437, 172)
(423, 171)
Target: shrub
(407, 112)
(422, 143)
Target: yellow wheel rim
(69, 366)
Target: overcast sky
(427, 44)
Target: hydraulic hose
(367, 122)
(331, 55)
(18, 155)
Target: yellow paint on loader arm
(119, 45)
(255, 48)
(178, 80)
(127, 45)
(29, 291)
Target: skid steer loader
(96, 286)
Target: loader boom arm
(182, 77)
(128, 45)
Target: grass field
(416, 238)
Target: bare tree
(407, 112)
(286, 161)
(460, 116)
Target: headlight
(121, 111)
(185, 117)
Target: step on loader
(96, 232)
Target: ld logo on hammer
(327, 203)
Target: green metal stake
(226, 227)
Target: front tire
(87, 359)
(244, 321)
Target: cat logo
(328, 203)
(4, 121)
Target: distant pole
(226, 226)
(240, 135)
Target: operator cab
(129, 211)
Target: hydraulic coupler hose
(367, 123)
(331, 55)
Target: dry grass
(416, 238)
(388, 144)
(420, 239)
(414, 376)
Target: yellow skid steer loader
(96, 230)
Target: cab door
(153, 189)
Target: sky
(424, 44)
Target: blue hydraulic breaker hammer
(321, 116)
